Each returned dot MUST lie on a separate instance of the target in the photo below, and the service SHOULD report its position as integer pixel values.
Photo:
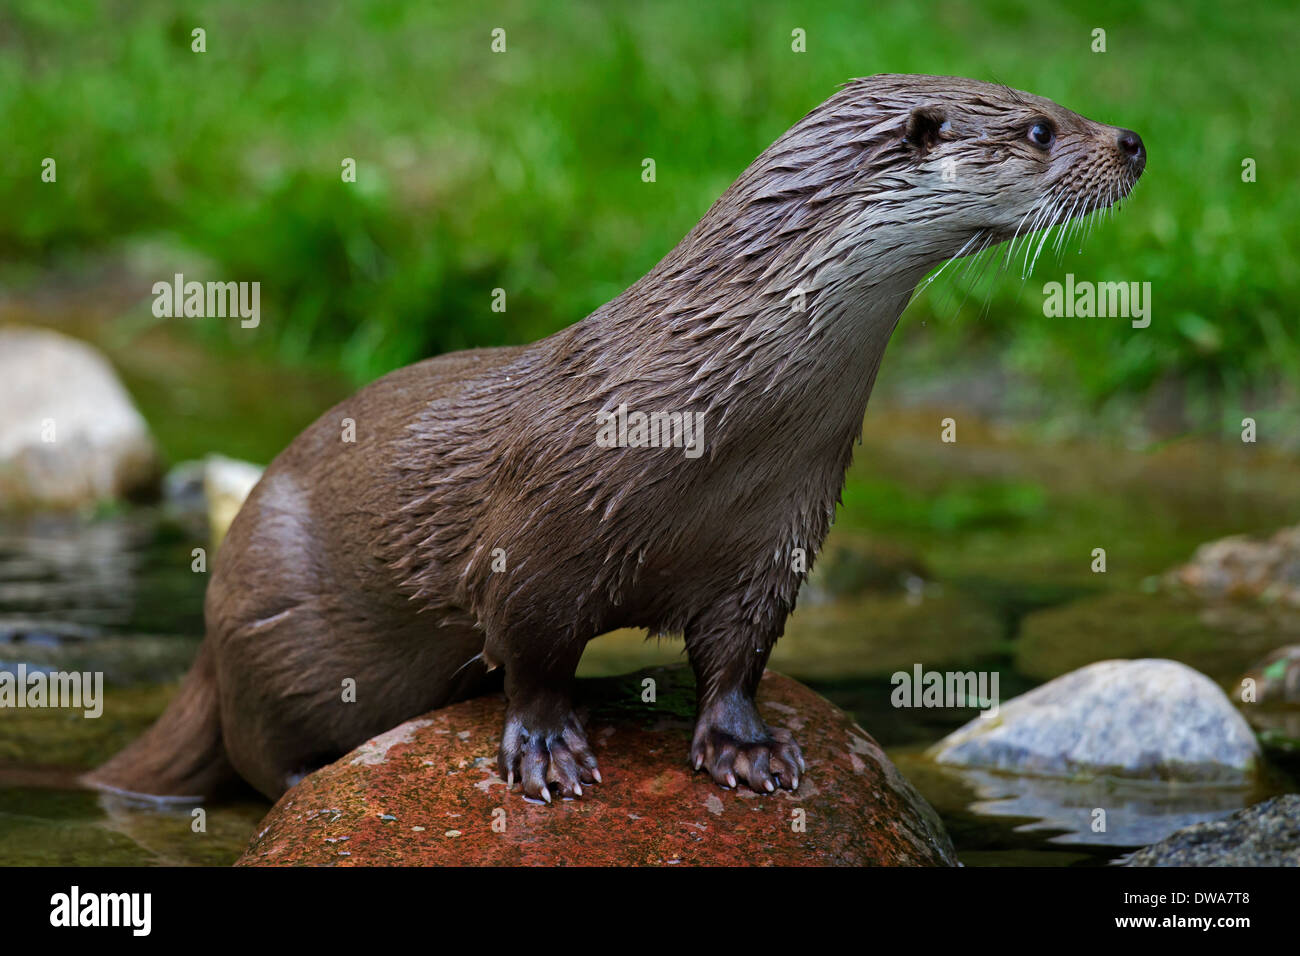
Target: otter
(476, 530)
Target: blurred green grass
(522, 170)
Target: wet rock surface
(1267, 834)
(70, 435)
(1142, 720)
(428, 793)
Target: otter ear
(923, 128)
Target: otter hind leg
(317, 683)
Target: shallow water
(955, 557)
(114, 594)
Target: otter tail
(182, 754)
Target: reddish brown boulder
(427, 793)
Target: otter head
(896, 174)
(891, 177)
(999, 163)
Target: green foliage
(961, 505)
(522, 170)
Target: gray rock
(69, 433)
(1267, 834)
(1144, 719)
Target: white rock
(69, 432)
(1145, 719)
(226, 483)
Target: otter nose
(1130, 144)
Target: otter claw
(764, 765)
(541, 759)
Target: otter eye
(1042, 135)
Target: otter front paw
(773, 759)
(537, 758)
